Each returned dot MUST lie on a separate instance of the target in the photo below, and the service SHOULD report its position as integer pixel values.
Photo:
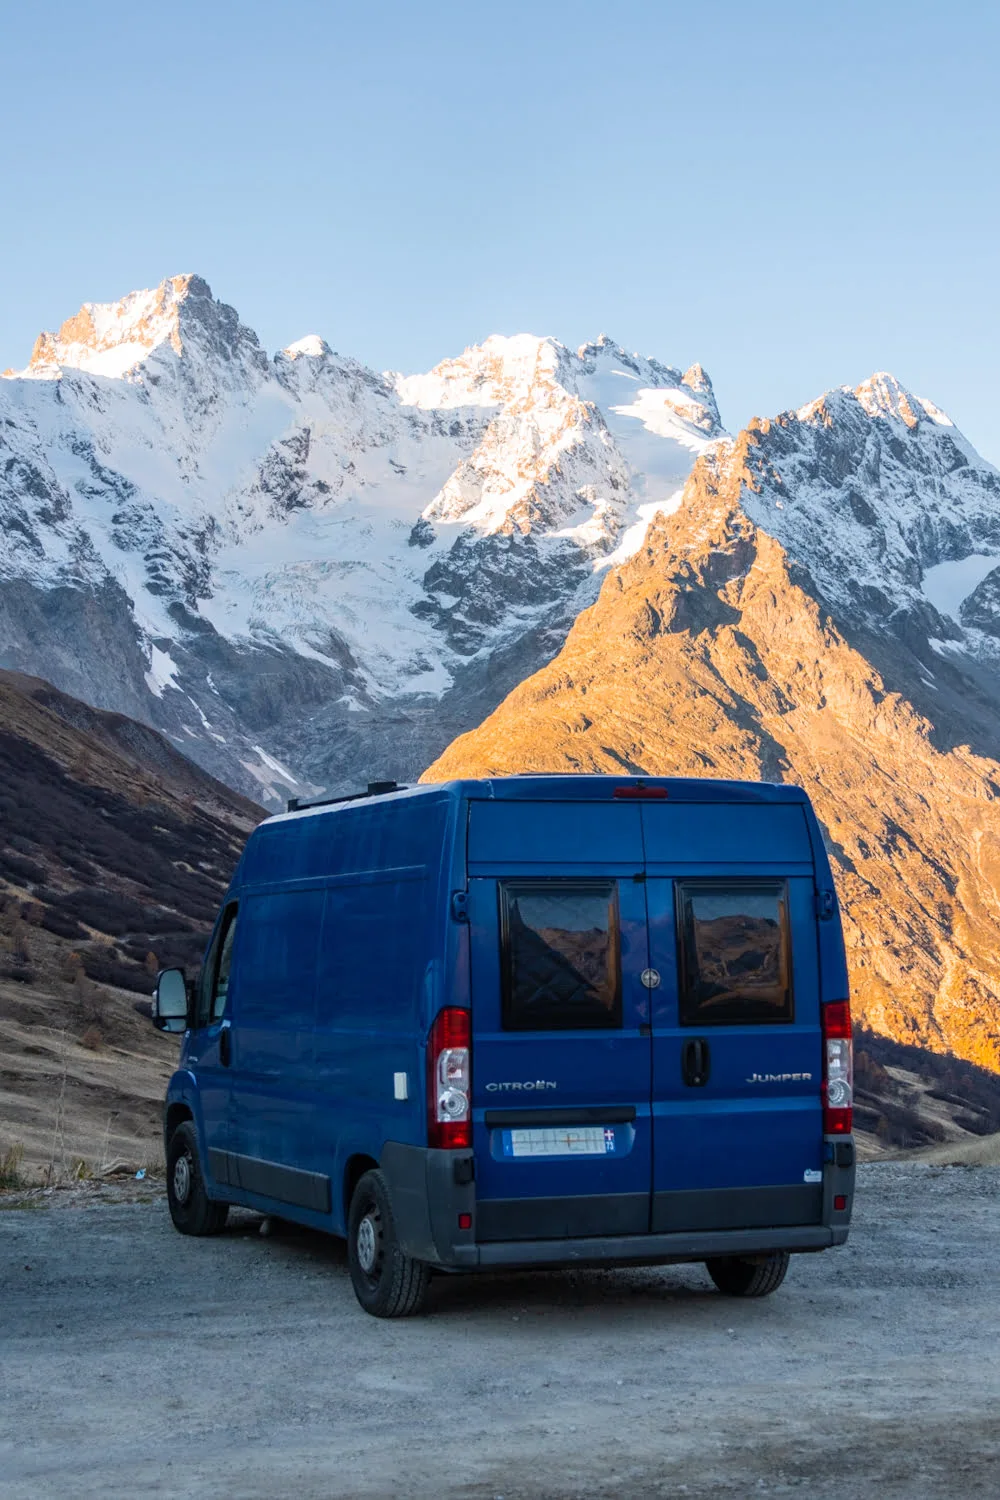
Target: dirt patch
(140, 1362)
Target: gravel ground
(135, 1362)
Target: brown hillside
(114, 853)
(703, 657)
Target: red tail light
(653, 793)
(449, 1080)
(838, 1068)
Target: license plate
(560, 1140)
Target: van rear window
(735, 964)
(560, 955)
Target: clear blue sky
(793, 194)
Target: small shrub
(20, 871)
(11, 1175)
(62, 925)
(14, 936)
(106, 966)
(92, 1039)
(71, 966)
(20, 973)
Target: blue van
(531, 1021)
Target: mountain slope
(114, 854)
(756, 635)
(302, 571)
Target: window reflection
(561, 956)
(734, 952)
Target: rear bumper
(431, 1190)
(648, 1249)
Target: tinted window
(560, 955)
(734, 952)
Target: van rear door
(561, 1047)
(736, 1047)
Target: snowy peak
(508, 369)
(497, 372)
(311, 347)
(111, 338)
(881, 395)
(878, 495)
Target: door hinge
(826, 905)
(460, 905)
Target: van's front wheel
(749, 1276)
(191, 1209)
(387, 1283)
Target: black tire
(387, 1283)
(191, 1209)
(749, 1276)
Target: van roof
(575, 787)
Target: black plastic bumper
(652, 1249)
(430, 1190)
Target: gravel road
(134, 1362)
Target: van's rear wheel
(749, 1276)
(191, 1209)
(387, 1283)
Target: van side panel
(334, 1064)
(273, 1009)
(378, 835)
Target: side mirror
(170, 1001)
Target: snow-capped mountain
(303, 571)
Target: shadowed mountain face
(716, 651)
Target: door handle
(695, 1062)
(225, 1047)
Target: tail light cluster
(449, 1080)
(838, 1068)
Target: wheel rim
(367, 1243)
(182, 1177)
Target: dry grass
(11, 1162)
